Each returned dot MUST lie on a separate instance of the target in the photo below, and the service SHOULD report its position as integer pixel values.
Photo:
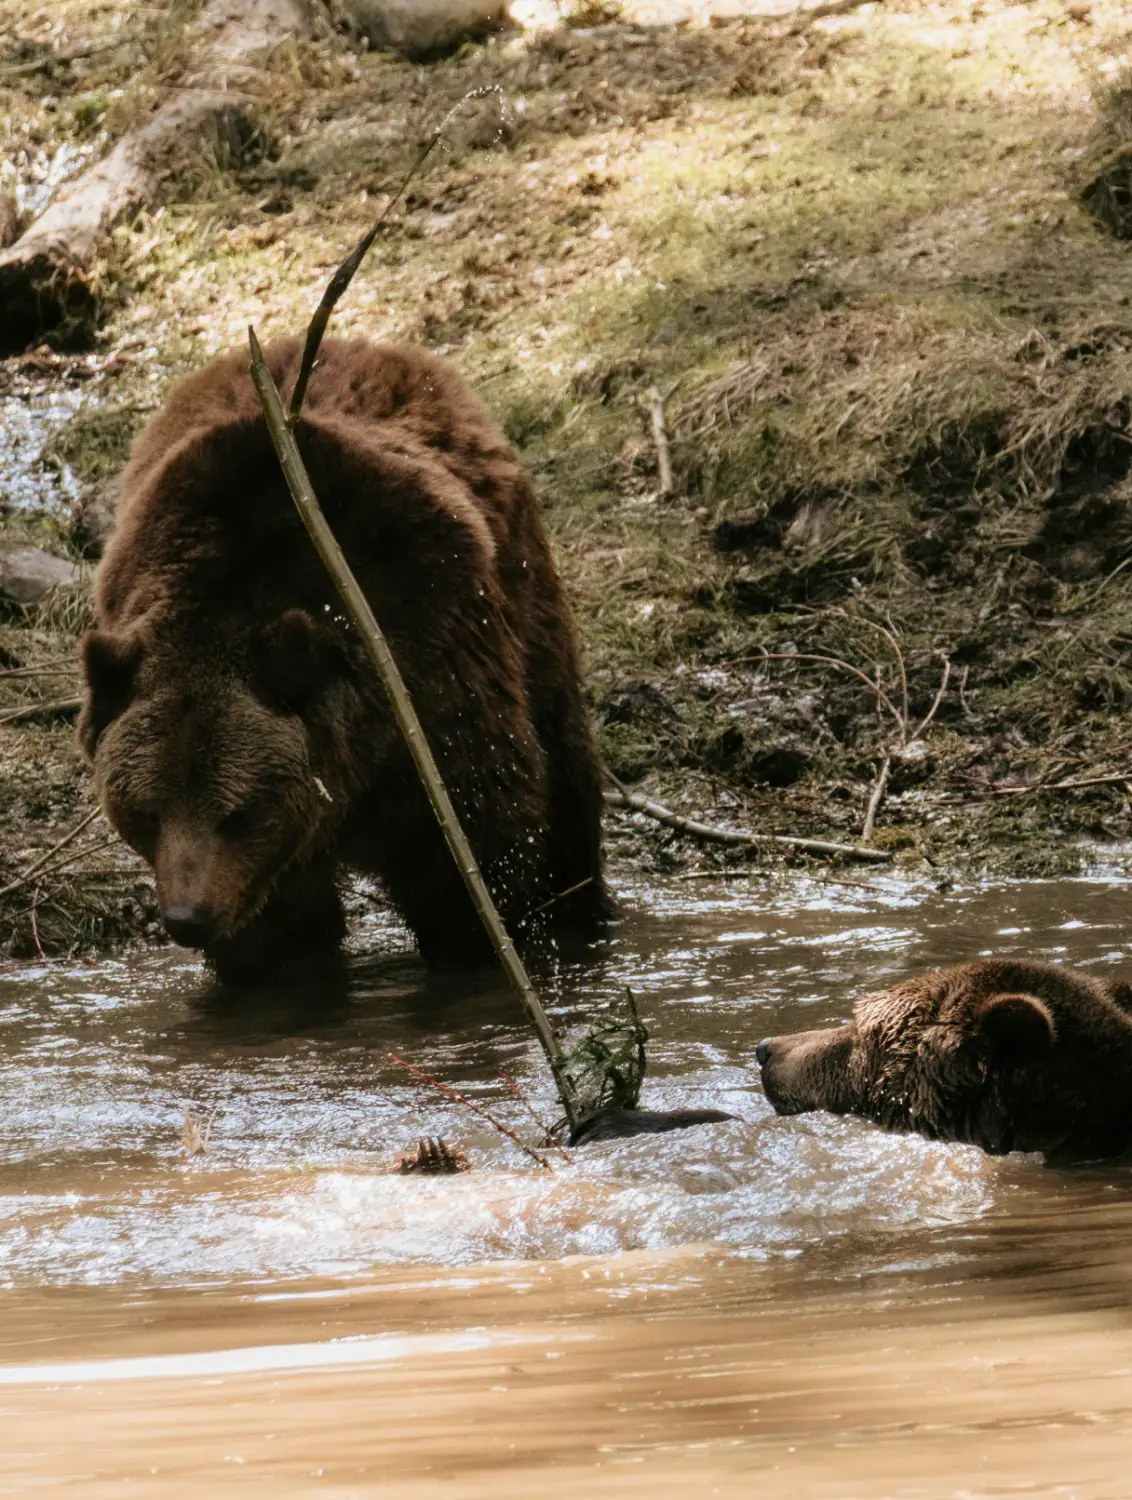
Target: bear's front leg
(300, 929)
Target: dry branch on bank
(895, 703)
(1113, 778)
(621, 797)
(54, 708)
(660, 438)
(49, 276)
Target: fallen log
(49, 278)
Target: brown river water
(799, 1307)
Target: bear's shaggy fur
(240, 740)
(1005, 1054)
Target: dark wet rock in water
(419, 28)
(613, 1124)
(28, 574)
(92, 516)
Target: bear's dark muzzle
(190, 925)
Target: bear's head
(206, 763)
(1006, 1055)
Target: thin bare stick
(34, 869)
(66, 55)
(517, 1094)
(306, 502)
(877, 798)
(936, 701)
(561, 895)
(476, 1109)
(348, 269)
(64, 864)
(830, 661)
(963, 704)
(977, 794)
(45, 710)
(707, 831)
(61, 669)
(889, 635)
(655, 402)
(34, 922)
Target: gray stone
(92, 516)
(28, 574)
(419, 27)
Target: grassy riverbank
(894, 347)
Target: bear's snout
(190, 924)
(806, 1071)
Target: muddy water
(806, 1305)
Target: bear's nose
(189, 925)
(762, 1052)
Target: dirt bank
(894, 350)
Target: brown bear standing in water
(1005, 1054)
(241, 741)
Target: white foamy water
(98, 1062)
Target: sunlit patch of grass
(850, 255)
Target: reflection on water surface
(97, 1061)
(802, 1308)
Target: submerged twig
(621, 797)
(476, 1109)
(44, 859)
(520, 1097)
(196, 1131)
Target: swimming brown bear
(1005, 1054)
(240, 740)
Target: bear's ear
(292, 660)
(1018, 1027)
(1121, 992)
(110, 666)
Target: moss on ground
(863, 262)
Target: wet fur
(1004, 1054)
(239, 738)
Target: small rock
(92, 516)
(420, 27)
(28, 574)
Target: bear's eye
(140, 827)
(237, 823)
